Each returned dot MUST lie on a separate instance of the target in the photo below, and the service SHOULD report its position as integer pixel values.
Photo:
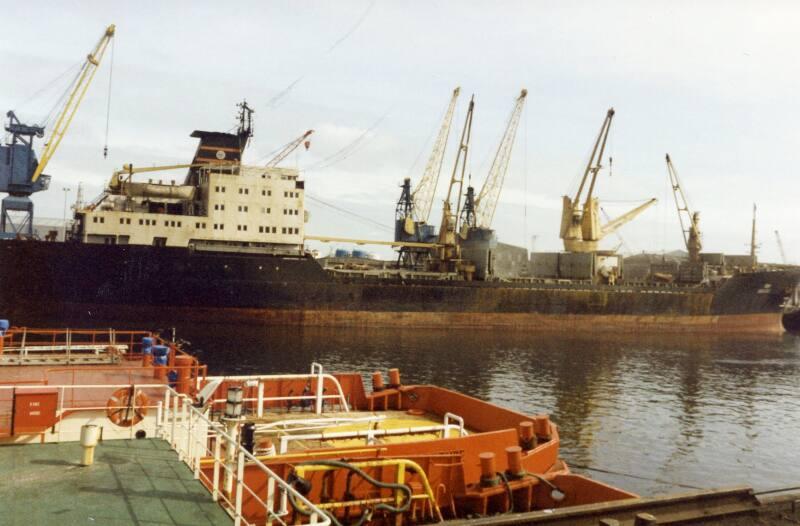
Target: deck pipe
(90, 434)
(183, 366)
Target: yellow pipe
(401, 464)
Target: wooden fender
(125, 408)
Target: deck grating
(139, 482)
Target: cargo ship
(228, 242)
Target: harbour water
(651, 414)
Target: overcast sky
(715, 84)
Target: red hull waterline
(765, 323)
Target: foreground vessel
(125, 427)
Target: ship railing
(317, 398)
(371, 434)
(200, 441)
(127, 343)
(188, 430)
(74, 400)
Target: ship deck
(131, 482)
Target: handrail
(179, 417)
(316, 374)
(194, 437)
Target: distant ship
(227, 244)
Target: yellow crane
(690, 221)
(449, 251)
(486, 202)
(423, 193)
(580, 223)
(414, 208)
(74, 100)
(22, 174)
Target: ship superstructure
(230, 206)
(221, 204)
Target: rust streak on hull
(767, 323)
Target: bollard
(541, 426)
(394, 378)
(527, 438)
(514, 461)
(489, 476)
(377, 382)
(89, 437)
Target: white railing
(318, 397)
(369, 435)
(197, 439)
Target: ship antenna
(245, 131)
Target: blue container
(4, 325)
(147, 345)
(360, 254)
(160, 354)
(342, 253)
(172, 378)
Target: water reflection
(701, 411)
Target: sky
(714, 84)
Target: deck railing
(196, 438)
(190, 432)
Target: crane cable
(59, 104)
(108, 104)
(48, 85)
(351, 147)
(348, 212)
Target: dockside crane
(21, 173)
(449, 251)
(481, 210)
(289, 148)
(414, 207)
(690, 221)
(580, 223)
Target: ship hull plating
(41, 282)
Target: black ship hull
(72, 282)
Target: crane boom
(780, 247)
(423, 194)
(486, 202)
(580, 223)
(614, 224)
(689, 220)
(74, 100)
(287, 149)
